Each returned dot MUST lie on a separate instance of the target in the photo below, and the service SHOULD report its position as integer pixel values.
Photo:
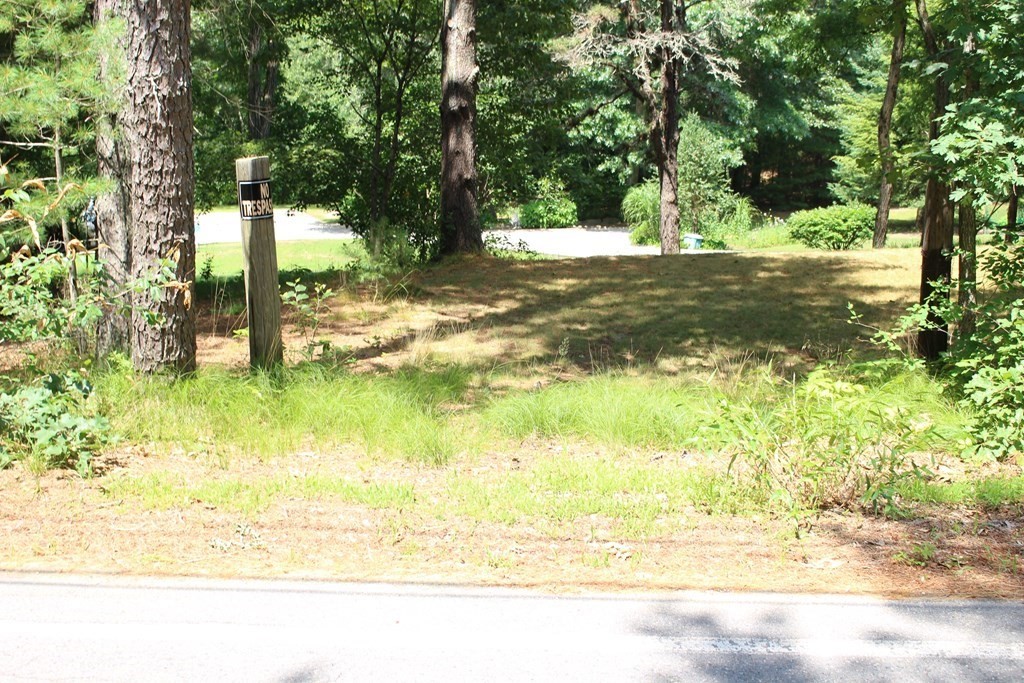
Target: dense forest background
(343, 97)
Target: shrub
(552, 209)
(988, 365)
(729, 216)
(706, 204)
(835, 227)
(641, 209)
(52, 423)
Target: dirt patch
(59, 522)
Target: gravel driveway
(224, 226)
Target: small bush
(552, 209)
(836, 227)
(719, 222)
(52, 424)
(988, 365)
(641, 209)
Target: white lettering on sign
(254, 200)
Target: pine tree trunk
(113, 210)
(460, 220)
(668, 125)
(937, 236)
(158, 132)
(885, 125)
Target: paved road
(223, 226)
(79, 628)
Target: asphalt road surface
(61, 628)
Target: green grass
(315, 255)
(607, 409)
(770, 237)
(988, 493)
(268, 415)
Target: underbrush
(857, 437)
(841, 438)
(283, 412)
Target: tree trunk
(460, 219)
(937, 237)
(668, 129)
(113, 210)
(158, 132)
(262, 80)
(968, 269)
(885, 125)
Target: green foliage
(982, 136)
(641, 209)
(857, 174)
(553, 207)
(52, 423)
(308, 308)
(706, 204)
(832, 441)
(988, 364)
(836, 227)
(51, 94)
(721, 223)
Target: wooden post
(259, 251)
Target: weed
(206, 270)
(921, 555)
(308, 307)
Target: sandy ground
(582, 241)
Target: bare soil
(58, 522)
(673, 315)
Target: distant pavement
(80, 628)
(224, 226)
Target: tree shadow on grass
(734, 306)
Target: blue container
(692, 240)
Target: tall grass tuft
(608, 409)
(270, 414)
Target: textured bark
(885, 124)
(113, 209)
(157, 124)
(968, 270)
(262, 78)
(460, 219)
(667, 146)
(937, 237)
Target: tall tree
(652, 49)
(113, 207)
(262, 53)
(937, 236)
(899, 39)
(157, 131)
(460, 216)
(385, 46)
